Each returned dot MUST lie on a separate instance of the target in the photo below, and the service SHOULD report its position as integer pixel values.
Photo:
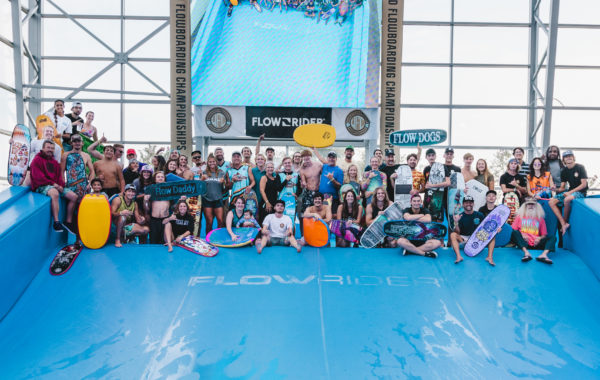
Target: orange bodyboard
(316, 232)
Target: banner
(181, 112)
(174, 190)
(391, 68)
(280, 122)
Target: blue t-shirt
(326, 186)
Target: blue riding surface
(337, 313)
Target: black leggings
(157, 230)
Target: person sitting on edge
(234, 215)
(379, 203)
(110, 172)
(349, 212)
(278, 229)
(529, 231)
(465, 225)
(96, 187)
(466, 170)
(179, 225)
(159, 211)
(417, 213)
(518, 153)
(47, 179)
(576, 177)
(539, 181)
(512, 181)
(248, 220)
(126, 216)
(483, 174)
(490, 203)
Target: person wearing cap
(109, 171)
(389, 167)
(529, 231)
(239, 177)
(332, 178)
(70, 164)
(490, 203)
(76, 120)
(417, 213)
(449, 167)
(347, 161)
(575, 176)
(518, 154)
(198, 166)
(465, 224)
(132, 155)
(126, 216)
(512, 181)
(144, 180)
(277, 229)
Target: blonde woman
(483, 174)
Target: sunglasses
(196, 157)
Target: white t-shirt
(36, 147)
(278, 227)
(63, 123)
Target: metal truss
(29, 90)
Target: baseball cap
(491, 192)
(331, 154)
(129, 187)
(75, 104)
(568, 153)
(350, 147)
(270, 148)
(468, 198)
(429, 151)
(147, 168)
(236, 152)
(517, 161)
(390, 152)
(449, 150)
(76, 137)
(130, 151)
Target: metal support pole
(550, 73)
(533, 70)
(34, 106)
(18, 59)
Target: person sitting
(490, 203)
(529, 232)
(416, 212)
(539, 181)
(350, 212)
(96, 187)
(179, 225)
(576, 177)
(126, 216)
(248, 220)
(47, 179)
(318, 209)
(278, 229)
(465, 225)
(234, 215)
(376, 207)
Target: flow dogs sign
(418, 136)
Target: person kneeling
(278, 229)
(529, 231)
(126, 216)
(417, 213)
(179, 225)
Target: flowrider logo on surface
(347, 280)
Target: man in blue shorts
(576, 176)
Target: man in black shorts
(417, 213)
(389, 168)
(576, 177)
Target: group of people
(327, 188)
(317, 9)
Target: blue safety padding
(329, 313)
(26, 241)
(10, 195)
(583, 237)
(549, 218)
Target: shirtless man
(247, 157)
(466, 170)
(66, 162)
(110, 172)
(183, 170)
(310, 174)
(318, 210)
(126, 216)
(159, 211)
(118, 150)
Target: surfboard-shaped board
(43, 121)
(316, 232)
(418, 136)
(251, 202)
(18, 155)
(486, 231)
(76, 175)
(374, 235)
(221, 238)
(403, 186)
(434, 197)
(315, 135)
(341, 229)
(198, 246)
(64, 259)
(93, 220)
(290, 204)
(477, 190)
(413, 230)
(456, 193)
(511, 199)
(375, 182)
(354, 186)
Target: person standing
(198, 166)
(347, 161)
(553, 162)
(109, 171)
(258, 172)
(76, 120)
(240, 176)
(467, 172)
(389, 168)
(310, 176)
(332, 178)
(519, 153)
(212, 202)
(61, 123)
(483, 174)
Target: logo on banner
(357, 123)
(218, 120)
(280, 122)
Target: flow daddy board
(280, 122)
(418, 136)
(174, 190)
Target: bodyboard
(198, 246)
(477, 190)
(221, 238)
(93, 220)
(374, 235)
(486, 231)
(413, 230)
(315, 135)
(316, 232)
(340, 229)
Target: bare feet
(259, 249)
(565, 227)
(170, 247)
(298, 248)
(491, 261)
(118, 244)
(458, 259)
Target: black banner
(280, 122)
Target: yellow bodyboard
(317, 135)
(94, 220)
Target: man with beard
(389, 168)
(110, 172)
(198, 166)
(332, 178)
(223, 165)
(553, 162)
(347, 161)
(47, 179)
(240, 178)
(76, 120)
(465, 225)
(278, 229)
